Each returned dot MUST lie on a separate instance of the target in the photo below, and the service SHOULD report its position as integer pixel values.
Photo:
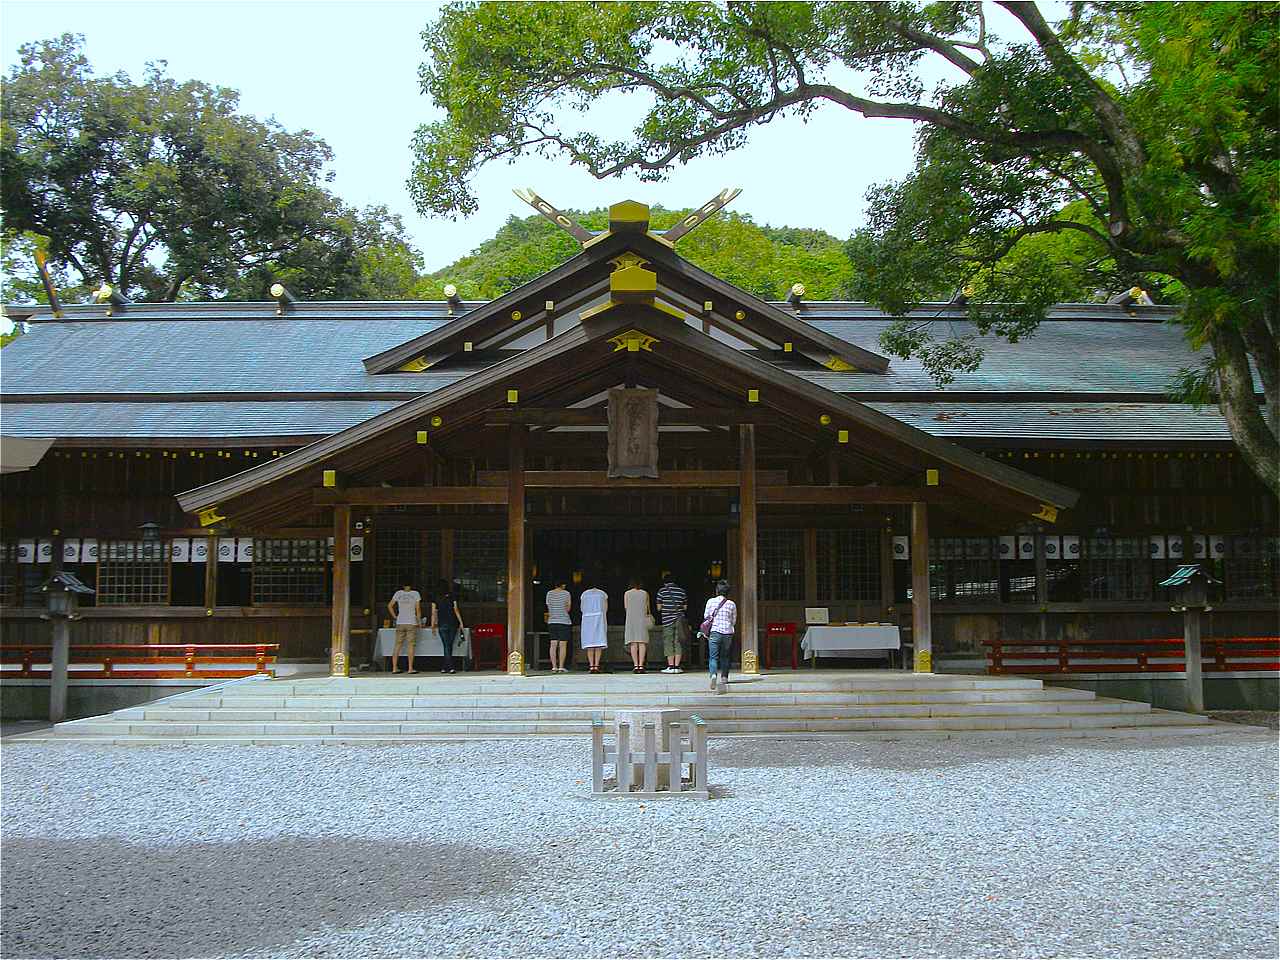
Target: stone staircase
(804, 704)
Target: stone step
(165, 729)
(719, 707)
(682, 699)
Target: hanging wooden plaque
(633, 433)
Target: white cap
(797, 289)
(277, 289)
(450, 291)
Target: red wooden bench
(130, 661)
(1161, 655)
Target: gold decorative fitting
(422, 436)
(633, 341)
(331, 478)
(740, 315)
(513, 396)
(753, 396)
(210, 516)
(416, 365)
(517, 315)
(707, 306)
(437, 420)
(628, 258)
(837, 365)
(339, 667)
(931, 478)
(633, 283)
(924, 661)
(786, 347)
(549, 306)
(1046, 512)
(843, 436)
(750, 662)
(515, 664)
(467, 346)
(825, 419)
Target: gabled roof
(585, 279)
(595, 353)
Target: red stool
(774, 631)
(488, 646)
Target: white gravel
(1118, 848)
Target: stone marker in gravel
(486, 849)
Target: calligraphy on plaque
(633, 433)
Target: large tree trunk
(1238, 400)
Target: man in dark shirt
(672, 603)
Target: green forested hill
(763, 260)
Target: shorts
(407, 633)
(673, 637)
(560, 632)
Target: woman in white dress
(594, 604)
(636, 634)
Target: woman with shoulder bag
(720, 619)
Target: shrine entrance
(610, 558)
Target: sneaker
(724, 685)
(714, 678)
(669, 670)
(677, 670)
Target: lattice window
(480, 564)
(1116, 568)
(133, 572)
(781, 565)
(1252, 568)
(964, 569)
(849, 566)
(406, 556)
(9, 593)
(290, 571)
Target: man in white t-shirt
(406, 607)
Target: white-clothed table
(427, 644)
(857, 640)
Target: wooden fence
(144, 661)
(1164, 655)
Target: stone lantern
(1191, 585)
(62, 592)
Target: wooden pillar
(748, 565)
(810, 567)
(211, 575)
(921, 614)
(516, 578)
(886, 568)
(341, 620)
(1191, 644)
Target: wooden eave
(590, 267)
(701, 366)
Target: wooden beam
(516, 551)
(838, 496)
(921, 611)
(410, 496)
(748, 608)
(341, 616)
(599, 479)
(599, 417)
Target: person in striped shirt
(672, 603)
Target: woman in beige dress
(636, 634)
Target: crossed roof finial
(628, 216)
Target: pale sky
(347, 71)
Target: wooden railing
(145, 661)
(1164, 655)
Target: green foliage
(765, 261)
(163, 189)
(1133, 143)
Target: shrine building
(272, 472)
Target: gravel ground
(1116, 848)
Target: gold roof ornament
(633, 341)
(628, 216)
